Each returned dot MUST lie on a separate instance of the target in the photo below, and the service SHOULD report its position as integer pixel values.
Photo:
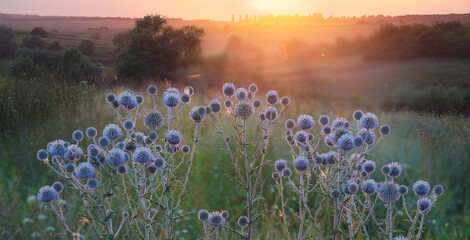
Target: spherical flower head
(388, 192)
(330, 158)
(327, 130)
(215, 219)
(244, 110)
(110, 97)
(421, 188)
(272, 97)
(225, 214)
(57, 148)
(340, 123)
(103, 142)
(403, 190)
(152, 135)
(215, 105)
(152, 169)
(42, 154)
(395, 169)
(324, 120)
(275, 175)
(285, 101)
(114, 104)
(358, 141)
(290, 124)
(185, 149)
(152, 89)
(58, 186)
(262, 116)
(438, 190)
(127, 100)
(385, 130)
(91, 132)
(47, 194)
(128, 124)
(77, 135)
(357, 115)
(196, 115)
(125, 214)
(153, 119)
(242, 221)
(337, 133)
(369, 186)
(139, 99)
(369, 166)
(301, 164)
(328, 141)
(228, 89)
(208, 110)
(241, 94)
(424, 205)
(173, 137)
(335, 193)
(84, 170)
(286, 172)
(116, 157)
(271, 113)
(92, 183)
(301, 136)
(189, 90)
(159, 162)
(172, 97)
(346, 142)
(253, 88)
(122, 169)
(112, 131)
(185, 98)
(97, 158)
(352, 187)
(280, 165)
(228, 103)
(256, 103)
(73, 152)
(142, 155)
(385, 170)
(367, 135)
(305, 122)
(69, 168)
(203, 215)
(400, 238)
(369, 121)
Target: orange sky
(223, 9)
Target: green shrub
(7, 42)
(75, 67)
(87, 47)
(39, 31)
(24, 68)
(33, 42)
(46, 58)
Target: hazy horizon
(223, 10)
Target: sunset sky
(223, 9)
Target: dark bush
(120, 41)
(33, 42)
(24, 68)
(55, 46)
(7, 42)
(39, 31)
(75, 67)
(46, 58)
(87, 47)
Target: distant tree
(156, 50)
(7, 42)
(41, 57)
(121, 40)
(75, 67)
(33, 42)
(24, 68)
(87, 47)
(55, 46)
(39, 31)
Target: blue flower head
(424, 205)
(57, 147)
(215, 105)
(127, 100)
(242, 221)
(172, 97)
(173, 137)
(301, 136)
(305, 122)
(142, 155)
(367, 135)
(369, 166)
(215, 219)
(203, 215)
(228, 89)
(280, 165)
(421, 188)
(47, 194)
(270, 113)
(84, 170)
(91, 132)
(195, 115)
(112, 131)
(340, 123)
(395, 169)
(388, 192)
(357, 115)
(369, 186)
(272, 97)
(42, 154)
(244, 110)
(116, 157)
(324, 120)
(346, 142)
(369, 121)
(73, 152)
(241, 94)
(285, 100)
(77, 135)
(152, 89)
(153, 119)
(92, 183)
(301, 163)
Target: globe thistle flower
(331, 157)
(275, 175)
(327, 130)
(262, 116)
(324, 120)
(327, 140)
(127, 100)
(58, 186)
(301, 136)
(96, 160)
(196, 115)
(241, 94)
(310, 137)
(337, 133)
(225, 214)
(358, 141)
(228, 103)
(271, 113)
(364, 174)
(228, 89)
(103, 142)
(352, 187)
(208, 110)
(421, 188)
(253, 88)
(335, 193)
(171, 97)
(92, 183)
(91, 132)
(189, 90)
(385, 170)
(185, 149)
(69, 168)
(152, 89)
(139, 99)
(286, 172)
(139, 137)
(242, 221)
(84, 170)
(42, 154)
(369, 166)
(77, 135)
(424, 205)
(110, 97)
(357, 115)
(128, 125)
(367, 135)
(388, 192)
(256, 103)
(203, 215)
(395, 169)
(244, 110)
(369, 121)
(340, 123)
(47, 194)
(130, 145)
(301, 164)
(346, 142)
(438, 190)
(369, 186)
(185, 98)
(272, 97)
(122, 169)
(112, 131)
(400, 238)
(125, 214)
(403, 190)
(289, 138)
(57, 148)
(153, 119)
(215, 105)
(142, 155)
(114, 104)
(173, 137)
(285, 101)
(116, 157)
(152, 169)
(305, 122)
(215, 219)
(152, 135)
(290, 124)
(159, 162)
(280, 165)
(73, 152)
(249, 95)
